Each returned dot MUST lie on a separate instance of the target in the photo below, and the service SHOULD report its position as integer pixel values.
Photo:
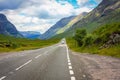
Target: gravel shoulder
(95, 67)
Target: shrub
(79, 36)
(88, 40)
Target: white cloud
(37, 28)
(24, 23)
(39, 15)
(50, 9)
(19, 19)
(82, 9)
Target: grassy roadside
(113, 51)
(8, 43)
(96, 42)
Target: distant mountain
(52, 31)
(108, 11)
(7, 28)
(31, 34)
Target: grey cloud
(10, 4)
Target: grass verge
(8, 43)
(113, 51)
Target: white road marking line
(68, 61)
(68, 58)
(2, 77)
(70, 67)
(23, 65)
(73, 78)
(71, 72)
(38, 56)
(67, 52)
(69, 64)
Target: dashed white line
(69, 64)
(23, 65)
(70, 67)
(68, 58)
(71, 72)
(2, 77)
(73, 78)
(68, 61)
(38, 56)
(67, 53)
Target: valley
(60, 40)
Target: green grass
(100, 36)
(8, 43)
(113, 51)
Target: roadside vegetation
(8, 43)
(104, 40)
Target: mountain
(108, 11)
(31, 34)
(7, 28)
(52, 31)
(73, 21)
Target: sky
(40, 15)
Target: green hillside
(101, 41)
(8, 43)
(104, 13)
(70, 24)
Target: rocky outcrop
(113, 39)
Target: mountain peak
(7, 28)
(2, 17)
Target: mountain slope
(7, 28)
(30, 34)
(66, 27)
(52, 31)
(106, 12)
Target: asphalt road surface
(57, 63)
